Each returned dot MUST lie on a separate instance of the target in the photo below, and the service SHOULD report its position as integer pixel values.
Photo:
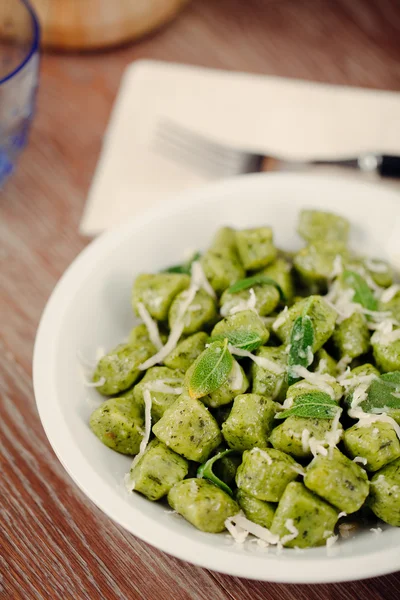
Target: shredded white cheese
(333, 436)
(164, 388)
(194, 488)
(322, 366)
(194, 307)
(342, 514)
(293, 532)
(175, 333)
(262, 453)
(385, 334)
(94, 384)
(376, 530)
(317, 447)
(250, 304)
(298, 470)
(390, 293)
(151, 325)
(337, 268)
(331, 540)
(305, 440)
(288, 403)
(145, 440)
(343, 363)
(366, 419)
(376, 265)
(257, 530)
(360, 459)
(309, 355)
(238, 533)
(281, 319)
(346, 529)
(199, 279)
(235, 378)
(261, 361)
(322, 380)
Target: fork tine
(199, 151)
(188, 154)
(179, 132)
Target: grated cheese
(333, 436)
(331, 540)
(261, 361)
(151, 325)
(343, 363)
(322, 366)
(262, 453)
(309, 355)
(235, 378)
(288, 403)
(317, 447)
(366, 419)
(390, 293)
(129, 483)
(249, 304)
(305, 439)
(376, 530)
(146, 436)
(385, 334)
(298, 470)
(360, 459)
(194, 488)
(337, 268)
(293, 532)
(257, 530)
(342, 514)
(375, 265)
(321, 380)
(164, 388)
(238, 533)
(200, 280)
(194, 307)
(346, 529)
(94, 384)
(175, 333)
(281, 319)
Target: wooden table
(54, 544)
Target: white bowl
(91, 307)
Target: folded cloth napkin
(284, 118)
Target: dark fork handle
(389, 166)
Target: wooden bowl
(91, 24)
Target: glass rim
(33, 47)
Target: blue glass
(19, 74)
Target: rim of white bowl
(286, 568)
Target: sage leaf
(185, 268)
(245, 340)
(205, 471)
(211, 369)
(383, 393)
(362, 293)
(312, 405)
(245, 284)
(301, 342)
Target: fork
(216, 160)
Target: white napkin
(285, 118)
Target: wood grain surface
(54, 544)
